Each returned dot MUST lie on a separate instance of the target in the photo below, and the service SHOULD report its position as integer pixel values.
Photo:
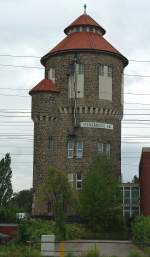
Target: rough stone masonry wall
(52, 115)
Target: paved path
(107, 248)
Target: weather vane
(85, 8)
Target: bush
(33, 229)
(92, 253)
(141, 230)
(15, 250)
(135, 253)
(8, 214)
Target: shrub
(92, 253)
(135, 253)
(141, 230)
(15, 250)
(33, 229)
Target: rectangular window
(105, 82)
(50, 143)
(109, 70)
(107, 149)
(100, 147)
(79, 150)
(101, 69)
(70, 150)
(49, 208)
(80, 68)
(78, 180)
(104, 148)
(51, 74)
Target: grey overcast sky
(31, 28)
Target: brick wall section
(59, 124)
(144, 175)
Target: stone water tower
(77, 108)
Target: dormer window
(84, 29)
(51, 74)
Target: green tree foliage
(5, 180)
(141, 230)
(100, 197)
(23, 200)
(135, 179)
(57, 190)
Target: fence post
(62, 249)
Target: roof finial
(85, 8)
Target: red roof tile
(44, 85)
(84, 40)
(84, 20)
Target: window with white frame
(79, 150)
(78, 180)
(105, 70)
(51, 74)
(101, 69)
(107, 149)
(104, 148)
(75, 149)
(80, 68)
(109, 70)
(100, 147)
(70, 150)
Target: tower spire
(85, 6)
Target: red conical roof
(88, 39)
(44, 85)
(84, 20)
(84, 40)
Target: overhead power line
(38, 57)
(36, 67)
(21, 66)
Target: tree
(135, 179)
(5, 180)
(57, 190)
(100, 198)
(23, 200)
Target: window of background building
(70, 150)
(51, 74)
(127, 196)
(135, 196)
(78, 180)
(79, 150)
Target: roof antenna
(85, 8)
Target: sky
(30, 29)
